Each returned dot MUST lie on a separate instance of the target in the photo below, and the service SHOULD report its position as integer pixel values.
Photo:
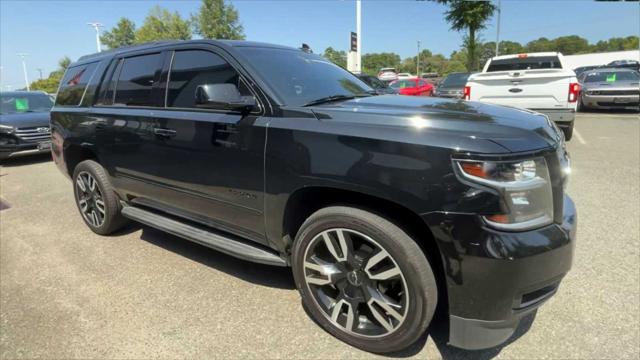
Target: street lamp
(40, 71)
(418, 61)
(498, 29)
(24, 69)
(97, 26)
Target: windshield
(373, 82)
(20, 103)
(401, 84)
(455, 80)
(299, 78)
(611, 76)
(525, 63)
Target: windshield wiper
(327, 99)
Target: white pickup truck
(535, 81)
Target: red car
(413, 87)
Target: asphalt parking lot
(67, 293)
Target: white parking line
(579, 137)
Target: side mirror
(223, 97)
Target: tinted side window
(74, 83)
(191, 68)
(136, 80)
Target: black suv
(24, 123)
(385, 207)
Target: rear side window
(525, 63)
(137, 76)
(191, 68)
(74, 83)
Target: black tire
(419, 279)
(112, 220)
(568, 132)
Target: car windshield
(611, 76)
(455, 80)
(524, 63)
(24, 102)
(401, 84)
(300, 78)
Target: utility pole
(418, 61)
(359, 39)
(24, 69)
(498, 28)
(97, 26)
(40, 71)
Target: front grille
(614, 92)
(34, 134)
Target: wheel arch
(75, 154)
(305, 201)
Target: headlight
(6, 129)
(525, 188)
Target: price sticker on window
(611, 78)
(22, 104)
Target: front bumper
(15, 150)
(495, 278)
(611, 101)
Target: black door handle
(164, 132)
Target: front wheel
(363, 279)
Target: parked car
(537, 81)
(452, 86)
(412, 87)
(581, 69)
(380, 87)
(630, 64)
(610, 88)
(24, 123)
(383, 206)
(388, 74)
(402, 76)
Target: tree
(371, 63)
(122, 34)
(472, 17)
(161, 24)
(337, 57)
(217, 20)
(540, 45)
(569, 45)
(63, 64)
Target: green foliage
(337, 57)
(161, 24)
(571, 45)
(50, 84)
(471, 16)
(217, 20)
(371, 63)
(122, 34)
(616, 44)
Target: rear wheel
(95, 198)
(568, 132)
(363, 279)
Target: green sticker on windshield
(611, 78)
(22, 104)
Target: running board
(207, 238)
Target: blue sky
(48, 30)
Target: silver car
(610, 88)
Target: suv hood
(26, 119)
(463, 125)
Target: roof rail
(123, 48)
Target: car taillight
(467, 92)
(574, 91)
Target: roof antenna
(306, 48)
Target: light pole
(359, 38)
(498, 29)
(97, 26)
(418, 61)
(24, 69)
(40, 71)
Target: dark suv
(24, 123)
(385, 207)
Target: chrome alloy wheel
(357, 284)
(90, 200)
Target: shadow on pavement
(265, 275)
(26, 160)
